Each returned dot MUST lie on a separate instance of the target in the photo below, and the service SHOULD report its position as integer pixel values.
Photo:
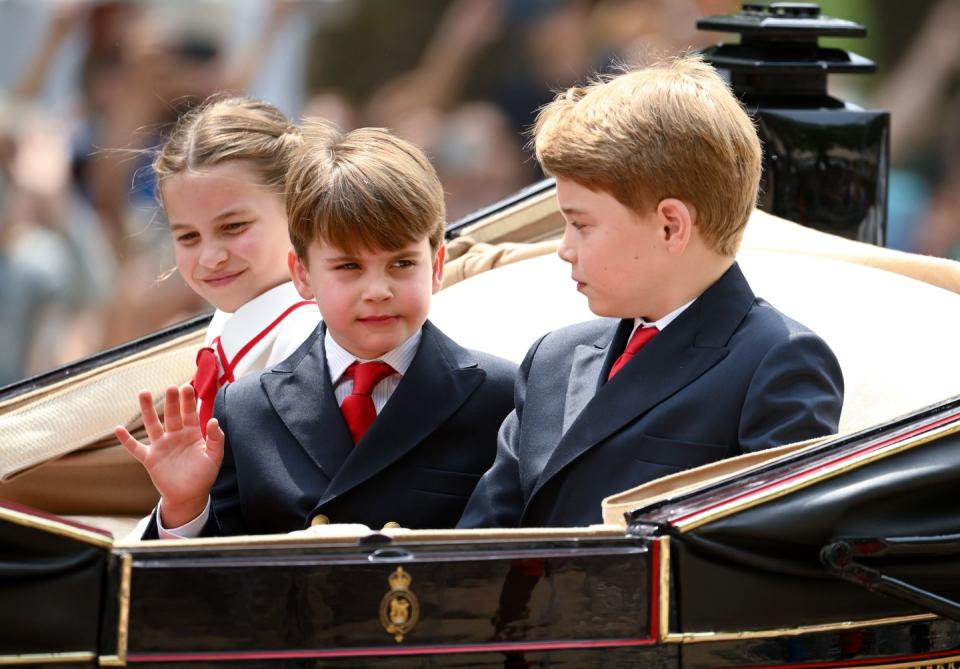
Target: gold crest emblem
(399, 608)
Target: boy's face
(619, 258)
(371, 300)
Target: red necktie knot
(638, 340)
(358, 408)
(206, 382)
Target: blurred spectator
(924, 104)
(80, 233)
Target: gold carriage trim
(702, 637)
(54, 526)
(817, 475)
(47, 658)
(123, 615)
(952, 662)
(663, 590)
(399, 608)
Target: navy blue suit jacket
(730, 375)
(289, 455)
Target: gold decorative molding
(55, 527)
(663, 590)
(952, 662)
(47, 658)
(702, 637)
(123, 615)
(817, 475)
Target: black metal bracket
(839, 557)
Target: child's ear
(438, 268)
(300, 275)
(677, 219)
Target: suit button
(392, 525)
(319, 519)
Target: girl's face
(229, 232)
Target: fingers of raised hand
(136, 449)
(188, 406)
(215, 440)
(150, 419)
(172, 420)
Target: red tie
(206, 381)
(357, 408)
(637, 341)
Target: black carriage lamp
(825, 161)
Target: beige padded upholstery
(763, 233)
(57, 449)
(895, 336)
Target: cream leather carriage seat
(895, 336)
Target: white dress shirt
(661, 324)
(338, 359)
(235, 330)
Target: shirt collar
(241, 326)
(400, 358)
(663, 322)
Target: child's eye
(347, 266)
(233, 228)
(403, 263)
(576, 225)
(187, 238)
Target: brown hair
(670, 130)
(227, 129)
(365, 188)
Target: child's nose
(212, 255)
(377, 289)
(565, 250)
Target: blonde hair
(670, 130)
(365, 188)
(228, 129)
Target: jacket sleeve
(226, 516)
(795, 394)
(497, 501)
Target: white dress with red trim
(259, 334)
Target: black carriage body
(729, 575)
(282, 602)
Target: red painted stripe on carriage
(831, 463)
(30, 511)
(386, 651)
(870, 662)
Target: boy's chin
(603, 309)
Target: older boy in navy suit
(657, 172)
(378, 418)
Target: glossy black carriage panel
(330, 602)
(763, 567)
(51, 582)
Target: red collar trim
(230, 365)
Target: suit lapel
(691, 345)
(591, 362)
(301, 393)
(440, 379)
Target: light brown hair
(365, 188)
(672, 130)
(227, 129)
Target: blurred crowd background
(88, 87)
